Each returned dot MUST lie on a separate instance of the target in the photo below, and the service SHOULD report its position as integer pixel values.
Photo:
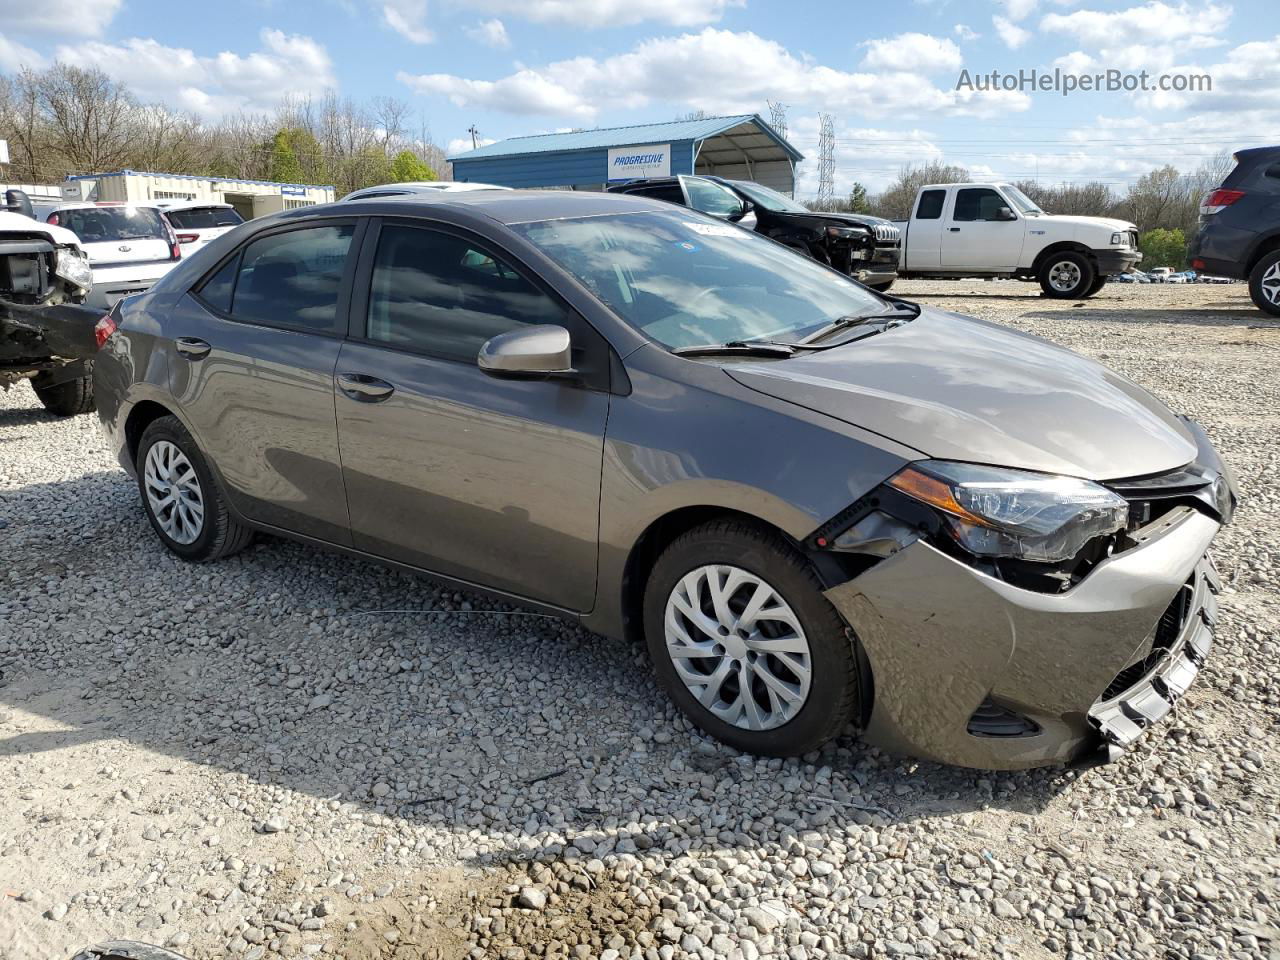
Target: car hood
(956, 388)
(17, 223)
(1116, 226)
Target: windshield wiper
(750, 348)
(878, 321)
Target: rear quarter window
(930, 205)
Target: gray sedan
(817, 506)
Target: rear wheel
(1264, 284)
(882, 287)
(1067, 276)
(68, 398)
(745, 643)
(183, 501)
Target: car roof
(504, 206)
(424, 186)
(167, 205)
(91, 205)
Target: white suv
(196, 223)
(130, 246)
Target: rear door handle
(193, 348)
(362, 387)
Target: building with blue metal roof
(742, 147)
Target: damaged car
(45, 337)
(816, 505)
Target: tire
(69, 398)
(180, 465)
(1098, 284)
(1264, 284)
(814, 711)
(1067, 276)
(882, 287)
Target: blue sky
(886, 72)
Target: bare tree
(89, 117)
(895, 202)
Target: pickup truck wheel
(881, 287)
(1097, 285)
(1264, 284)
(66, 399)
(1067, 276)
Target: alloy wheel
(1064, 276)
(1271, 284)
(173, 492)
(738, 647)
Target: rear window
(106, 224)
(199, 218)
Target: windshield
(1020, 200)
(768, 199)
(687, 280)
(200, 218)
(106, 224)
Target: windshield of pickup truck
(109, 224)
(768, 199)
(689, 280)
(1022, 201)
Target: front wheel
(745, 643)
(183, 501)
(1264, 284)
(68, 398)
(882, 287)
(1067, 276)
(1097, 286)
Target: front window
(978, 203)
(200, 218)
(768, 199)
(1020, 200)
(712, 198)
(687, 280)
(111, 224)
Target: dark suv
(1239, 232)
(862, 246)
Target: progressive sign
(628, 163)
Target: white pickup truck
(994, 230)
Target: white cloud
(965, 32)
(79, 18)
(871, 156)
(1019, 9)
(704, 71)
(611, 13)
(463, 145)
(408, 18)
(1076, 62)
(909, 51)
(491, 33)
(14, 56)
(1154, 22)
(1013, 35)
(211, 85)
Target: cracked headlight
(72, 265)
(993, 512)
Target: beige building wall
(250, 197)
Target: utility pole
(778, 117)
(474, 134)
(826, 161)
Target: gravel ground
(256, 758)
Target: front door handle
(362, 387)
(193, 348)
(954, 229)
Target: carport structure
(742, 147)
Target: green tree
(285, 167)
(407, 167)
(859, 202)
(1163, 248)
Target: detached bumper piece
(1145, 692)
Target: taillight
(103, 329)
(1197, 264)
(1219, 200)
(175, 251)
(188, 237)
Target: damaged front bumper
(972, 670)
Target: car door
(710, 197)
(924, 231)
(251, 368)
(975, 235)
(494, 481)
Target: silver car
(818, 507)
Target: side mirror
(1004, 213)
(538, 351)
(18, 202)
(747, 207)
